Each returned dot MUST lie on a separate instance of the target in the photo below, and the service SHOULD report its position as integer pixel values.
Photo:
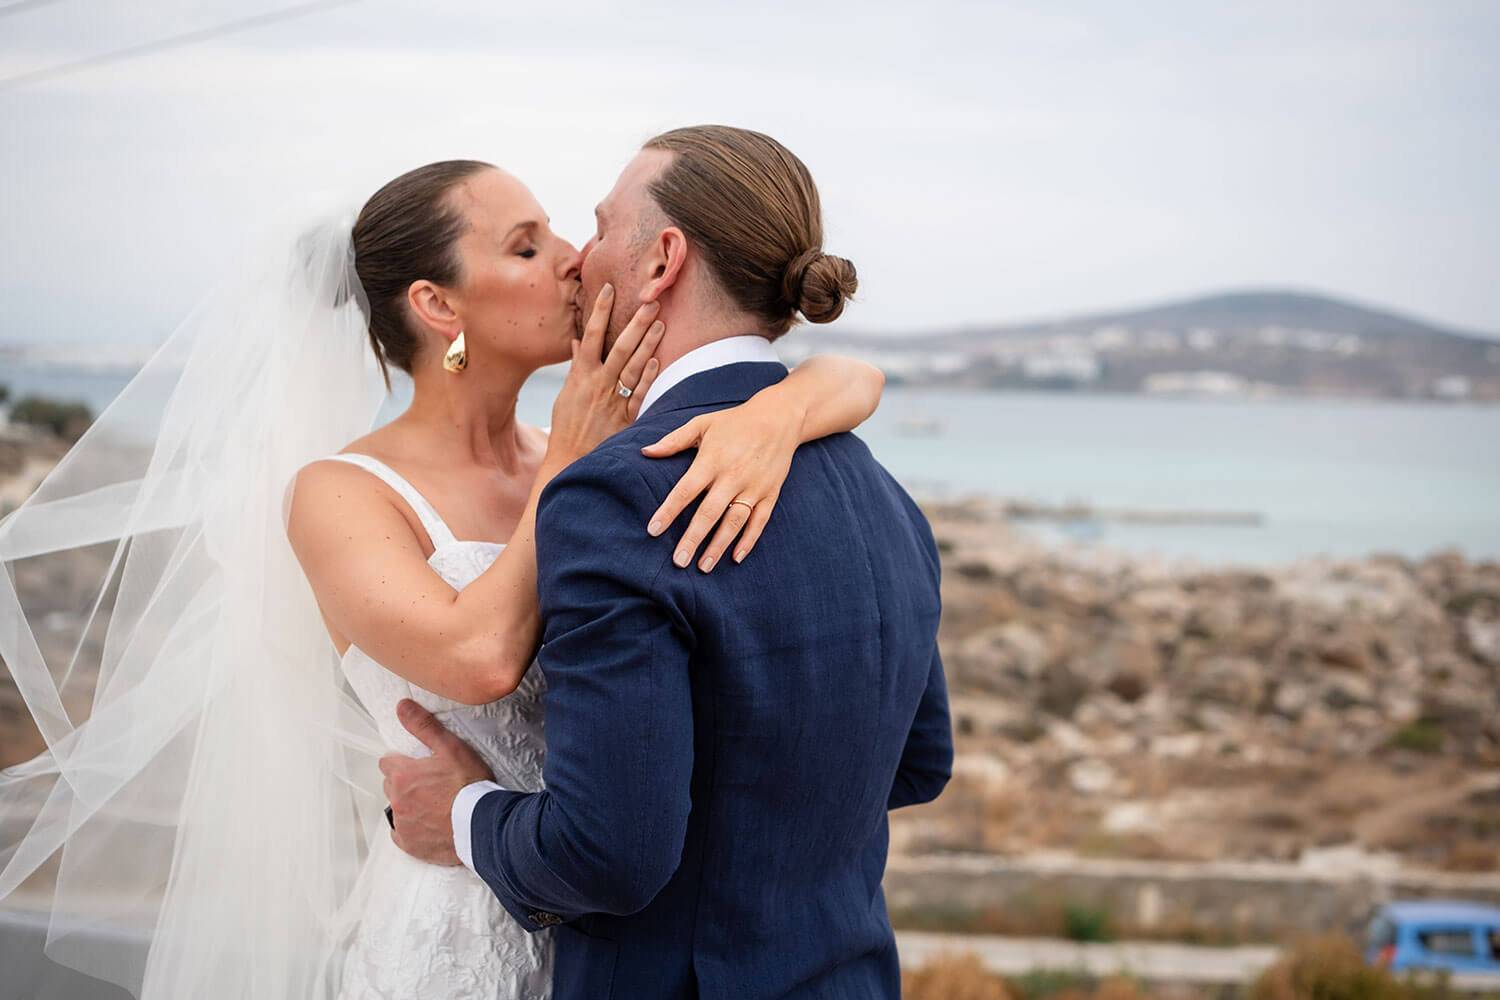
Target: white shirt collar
(715, 354)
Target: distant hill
(1233, 311)
(1255, 309)
(1239, 342)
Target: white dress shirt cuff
(463, 818)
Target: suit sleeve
(927, 761)
(607, 833)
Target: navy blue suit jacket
(722, 748)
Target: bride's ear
(430, 306)
(663, 260)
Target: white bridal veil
(207, 779)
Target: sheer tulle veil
(208, 781)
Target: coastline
(1116, 706)
(1340, 715)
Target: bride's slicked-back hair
(408, 231)
(752, 209)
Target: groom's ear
(663, 261)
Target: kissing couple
(725, 729)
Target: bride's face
(517, 298)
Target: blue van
(1459, 936)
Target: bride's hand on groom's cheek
(603, 392)
(421, 790)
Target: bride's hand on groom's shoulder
(603, 392)
(421, 790)
(744, 455)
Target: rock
(1291, 698)
(1091, 777)
(1258, 635)
(1104, 710)
(1161, 604)
(1484, 639)
(1399, 704)
(1126, 663)
(1442, 570)
(1082, 594)
(1347, 652)
(1317, 726)
(1131, 817)
(1063, 689)
(1136, 668)
(1343, 690)
(983, 768)
(987, 717)
(1090, 717)
(1334, 594)
(1216, 618)
(1178, 745)
(1063, 636)
(1229, 680)
(1214, 718)
(1068, 739)
(1005, 659)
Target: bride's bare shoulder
(326, 491)
(329, 494)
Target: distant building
(1201, 338)
(1195, 384)
(1111, 337)
(1161, 340)
(1072, 367)
(1452, 387)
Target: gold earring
(457, 358)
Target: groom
(722, 748)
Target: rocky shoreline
(1120, 706)
(27, 455)
(1114, 706)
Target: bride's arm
(476, 644)
(745, 453)
(371, 577)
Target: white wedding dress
(428, 931)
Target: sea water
(1336, 477)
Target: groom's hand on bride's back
(421, 790)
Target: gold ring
(622, 390)
(747, 504)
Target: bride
(200, 695)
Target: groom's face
(625, 225)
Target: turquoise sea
(1325, 476)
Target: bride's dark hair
(407, 232)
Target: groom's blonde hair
(752, 210)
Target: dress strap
(437, 531)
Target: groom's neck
(692, 322)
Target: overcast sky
(979, 162)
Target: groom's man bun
(408, 231)
(751, 208)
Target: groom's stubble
(629, 220)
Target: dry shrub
(953, 977)
(1120, 988)
(1472, 856)
(1327, 967)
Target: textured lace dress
(429, 931)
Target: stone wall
(1213, 903)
